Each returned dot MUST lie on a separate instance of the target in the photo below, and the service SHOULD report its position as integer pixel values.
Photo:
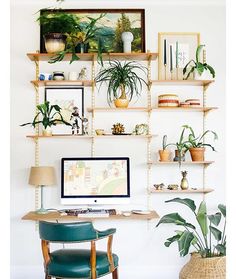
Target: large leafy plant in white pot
(206, 240)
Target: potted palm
(198, 68)
(123, 81)
(51, 116)
(196, 145)
(165, 153)
(208, 242)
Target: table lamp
(42, 176)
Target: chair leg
(115, 274)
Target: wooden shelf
(189, 109)
(206, 163)
(125, 136)
(40, 83)
(32, 216)
(91, 56)
(200, 190)
(59, 136)
(183, 82)
(108, 109)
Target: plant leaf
(217, 233)
(215, 218)
(172, 218)
(172, 239)
(221, 248)
(222, 209)
(202, 218)
(184, 243)
(188, 202)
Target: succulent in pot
(165, 153)
(123, 80)
(206, 239)
(197, 68)
(181, 147)
(196, 145)
(51, 116)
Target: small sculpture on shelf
(159, 187)
(184, 182)
(141, 129)
(173, 187)
(85, 126)
(118, 129)
(83, 73)
(75, 117)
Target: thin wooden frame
(164, 72)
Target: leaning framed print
(71, 102)
(94, 29)
(175, 51)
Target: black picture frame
(66, 97)
(135, 16)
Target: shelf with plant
(205, 163)
(70, 136)
(45, 57)
(189, 191)
(109, 109)
(42, 83)
(183, 82)
(185, 109)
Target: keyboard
(90, 213)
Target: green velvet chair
(76, 263)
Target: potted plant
(123, 81)
(51, 116)
(165, 153)
(196, 146)
(56, 26)
(181, 147)
(209, 242)
(197, 68)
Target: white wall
(138, 244)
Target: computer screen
(95, 180)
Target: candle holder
(171, 74)
(165, 65)
(177, 72)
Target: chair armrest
(105, 233)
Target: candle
(171, 62)
(177, 53)
(165, 52)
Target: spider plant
(210, 242)
(197, 65)
(122, 80)
(51, 116)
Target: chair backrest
(67, 232)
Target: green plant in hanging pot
(123, 80)
(206, 239)
(196, 145)
(56, 27)
(197, 68)
(50, 115)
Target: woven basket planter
(204, 268)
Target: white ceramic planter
(206, 75)
(127, 38)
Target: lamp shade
(42, 176)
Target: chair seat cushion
(74, 263)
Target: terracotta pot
(55, 42)
(121, 103)
(204, 268)
(164, 155)
(197, 154)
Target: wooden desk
(32, 216)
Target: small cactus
(118, 128)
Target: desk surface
(32, 216)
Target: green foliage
(190, 237)
(197, 65)
(50, 114)
(196, 142)
(164, 142)
(122, 79)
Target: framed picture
(175, 51)
(71, 102)
(107, 30)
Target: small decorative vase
(127, 38)
(164, 155)
(47, 132)
(197, 154)
(176, 158)
(55, 42)
(82, 48)
(204, 268)
(184, 181)
(121, 103)
(204, 76)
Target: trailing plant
(50, 114)
(210, 242)
(197, 142)
(200, 67)
(122, 79)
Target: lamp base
(41, 211)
